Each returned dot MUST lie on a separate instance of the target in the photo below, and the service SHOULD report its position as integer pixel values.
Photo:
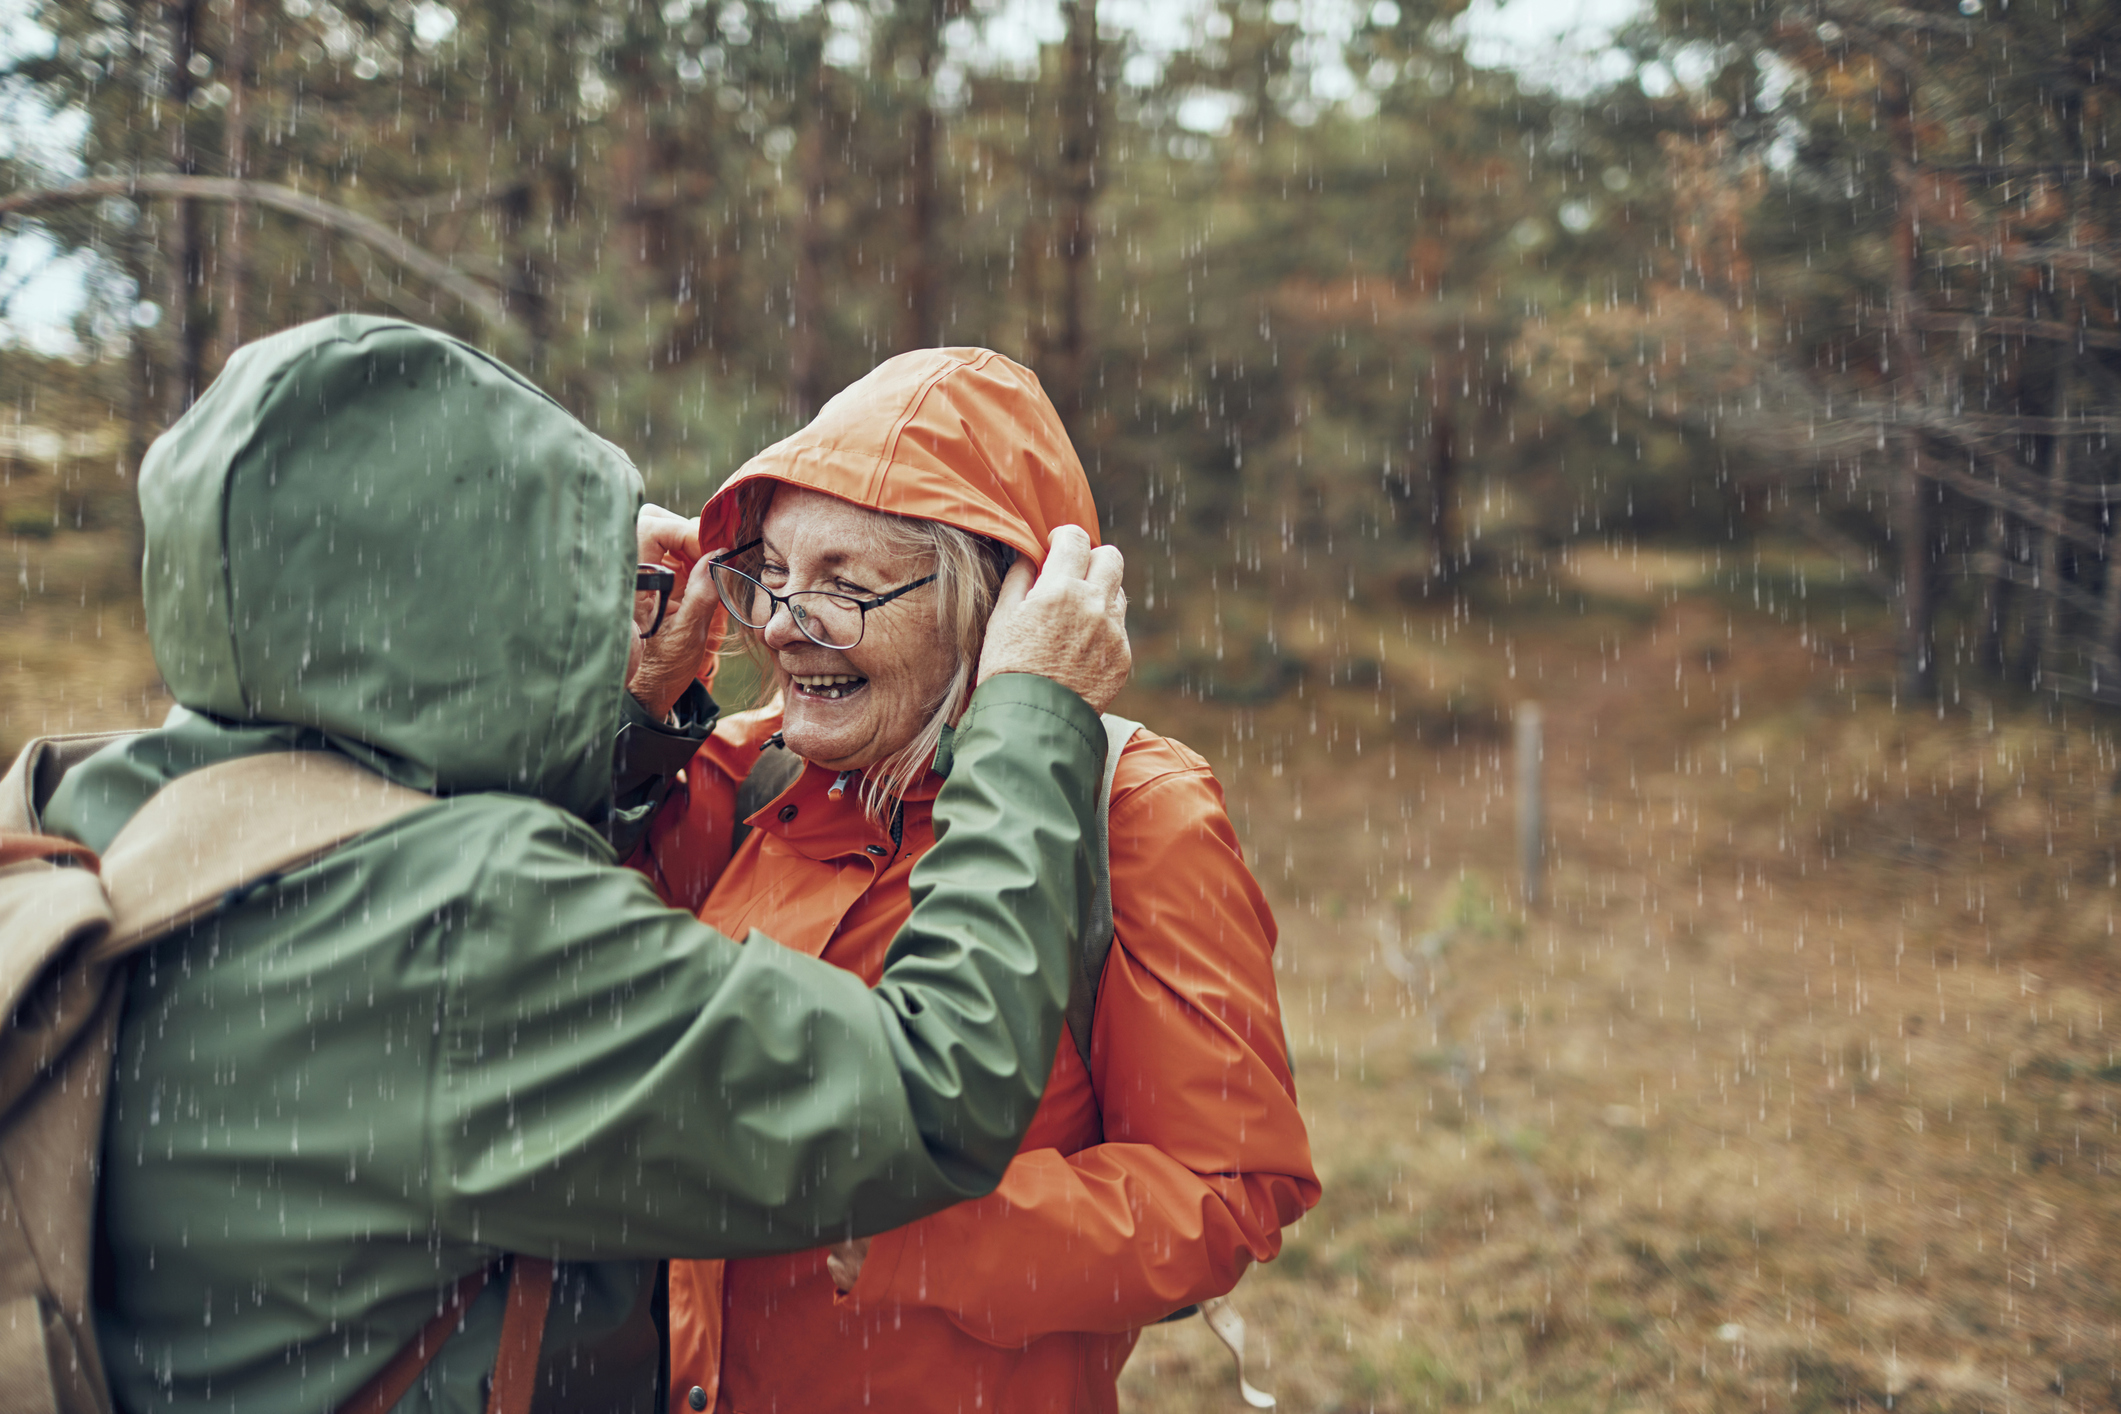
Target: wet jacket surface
(1150, 1180)
(470, 1032)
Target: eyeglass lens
(826, 619)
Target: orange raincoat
(1146, 1183)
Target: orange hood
(962, 436)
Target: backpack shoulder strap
(515, 1366)
(29, 783)
(219, 830)
(773, 772)
(201, 838)
(1096, 942)
(388, 1385)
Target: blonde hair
(968, 572)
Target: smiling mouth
(827, 687)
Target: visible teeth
(830, 686)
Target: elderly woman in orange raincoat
(859, 559)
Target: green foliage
(1468, 913)
(1303, 323)
(1917, 191)
(1430, 327)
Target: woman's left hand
(844, 1262)
(691, 629)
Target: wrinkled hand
(662, 666)
(1070, 626)
(844, 1262)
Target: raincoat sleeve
(614, 1079)
(689, 842)
(646, 758)
(1204, 1158)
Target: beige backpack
(68, 925)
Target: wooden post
(1531, 801)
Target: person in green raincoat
(470, 1032)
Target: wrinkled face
(850, 708)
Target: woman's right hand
(1070, 624)
(692, 629)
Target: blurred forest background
(1750, 402)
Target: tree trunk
(806, 370)
(2045, 627)
(1914, 497)
(1916, 530)
(919, 327)
(1990, 642)
(137, 254)
(1069, 359)
(140, 409)
(517, 181)
(187, 264)
(235, 248)
(2106, 646)
(1444, 547)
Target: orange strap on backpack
(18, 849)
(515, 1368)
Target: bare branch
(1899, 17)
(2066, 257)
(2004, 171)
(2003, 498)
(1853, 556)
(369, 232)
(2024, 576)
(1973, 326)
(2015, 424)
(2091, 689)
(2085, 256)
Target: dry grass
(1796, 1093)
(73, 650)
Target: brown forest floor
(1795, 1093)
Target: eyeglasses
(656, 581)
(827, 619)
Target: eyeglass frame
(659, 581)
(722, 560)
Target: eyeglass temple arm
(865, 605)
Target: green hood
(376, 532)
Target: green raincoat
(470, 1032)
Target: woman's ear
(999, 558)
(964, 699)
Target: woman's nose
(780, 630)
